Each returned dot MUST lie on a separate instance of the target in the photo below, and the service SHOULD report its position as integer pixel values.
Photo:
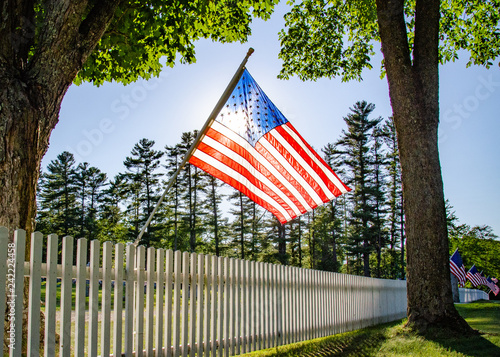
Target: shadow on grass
(361, 343)
(474, 346)
(481, 315)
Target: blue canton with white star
(249, 112)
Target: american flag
(474, 276)
(493, 287)
(254, 148)
(457, 267)
(484, 281)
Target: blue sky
(100, 125)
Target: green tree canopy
(144, 35)
(335, 38)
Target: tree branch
(17, 31)
(95, 24)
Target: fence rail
(122, 300)
(470, 295)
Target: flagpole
(223, 99)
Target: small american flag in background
(457, 267)
(254, 148)
(474, 276)
(483, 279)
(493, 287)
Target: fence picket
(201, 304)
(4, 249)
(80, 303)
(268, 305)
(273, 304)
(106, 299)
(227, 302)
(150, 273)
(139, 301)
(296, 303)
(93, 297)
(177, 301)
(192, 305)
(50, 297)
(232, 305)
(169, 261)
(260, 308)
(185, 302)
(118, 301)
(238, 314)
(20, 242)
(321, 304)
(214, 317)
(208, 307)
(129, 300)
(245, 290)
(160, 278)
(34, 294)
(253, 303)
(300, 307)
(220, 305)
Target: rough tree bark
(34, 77)
(414, 94)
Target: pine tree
(81, 181)
(96, 183)
(143, 178)
(213, 217)
(311, 238)
(111, 225)
(355, 144)
(58, 210)
(173, 162)
(296, 241)
(337, 210)
(378, 195)
(244, 225)
(395, 214)
(190, 179)
(89, 182)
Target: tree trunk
(242, 227)
(414, 89)
(23, 142)
(34, 77)
(216, 219)
(282, 244)
(334, 236)
(402, 234)
(454, 288)
(300, 242)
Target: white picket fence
(470, 295)
(169, 303)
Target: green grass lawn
(393, 340)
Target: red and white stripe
(473, 279)
(459, 272)
(282, 173)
